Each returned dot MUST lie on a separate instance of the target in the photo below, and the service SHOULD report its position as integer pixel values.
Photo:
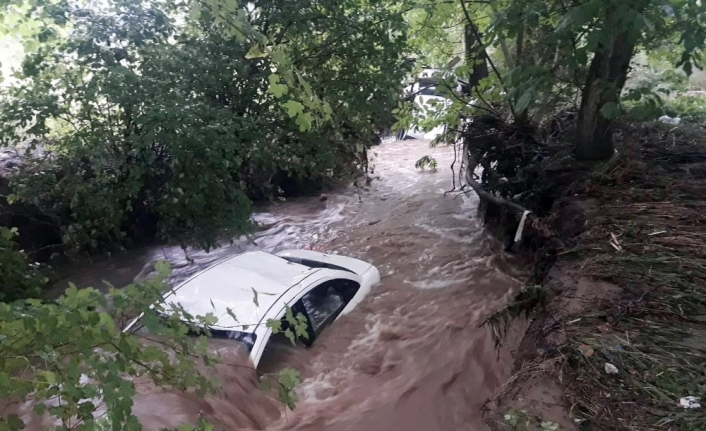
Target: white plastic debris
(669, 120)
(521, 226)
(610, 368)
(690, 402)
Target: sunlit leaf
(255, 52)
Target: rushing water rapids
(411, 356)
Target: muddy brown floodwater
(411, 356)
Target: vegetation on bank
(652, 200)
(149, 124)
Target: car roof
(232, 283)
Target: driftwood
(482, 193)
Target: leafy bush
(75, 350)
(690, 109)
(20, 278)
(643, 104)
(160, 129)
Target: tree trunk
(605, 81)
(507, 55)
(475, 56)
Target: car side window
(322, 304)
(347, 288)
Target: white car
(427, 100)
(256, 286)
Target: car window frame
(264, 336)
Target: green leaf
(278, 90)
(47, 376)
(577, 17)
(162, 267)
(290, 335)
(254, 297)
(327, 110)
(255, 52)
(210, 319)
(301, 331)
(275, 325)
(611, 110)
(523, 102)
(106, 320)
(304, 121)
(293, 108)
(289, 377)
(289, 316)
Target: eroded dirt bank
(617, 341)
(411, 357)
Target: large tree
(547, 55)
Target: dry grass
(648, 236)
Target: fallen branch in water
(483, 194)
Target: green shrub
(169, 130)
(689, 108)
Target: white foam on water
(472, 236)
(370, 337)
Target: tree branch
(481, 192)
(477, 35)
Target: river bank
(618, 339)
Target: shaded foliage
(169, 129)
(20, 277)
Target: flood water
(411, 356)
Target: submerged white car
(321, 287)
(429, 99)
